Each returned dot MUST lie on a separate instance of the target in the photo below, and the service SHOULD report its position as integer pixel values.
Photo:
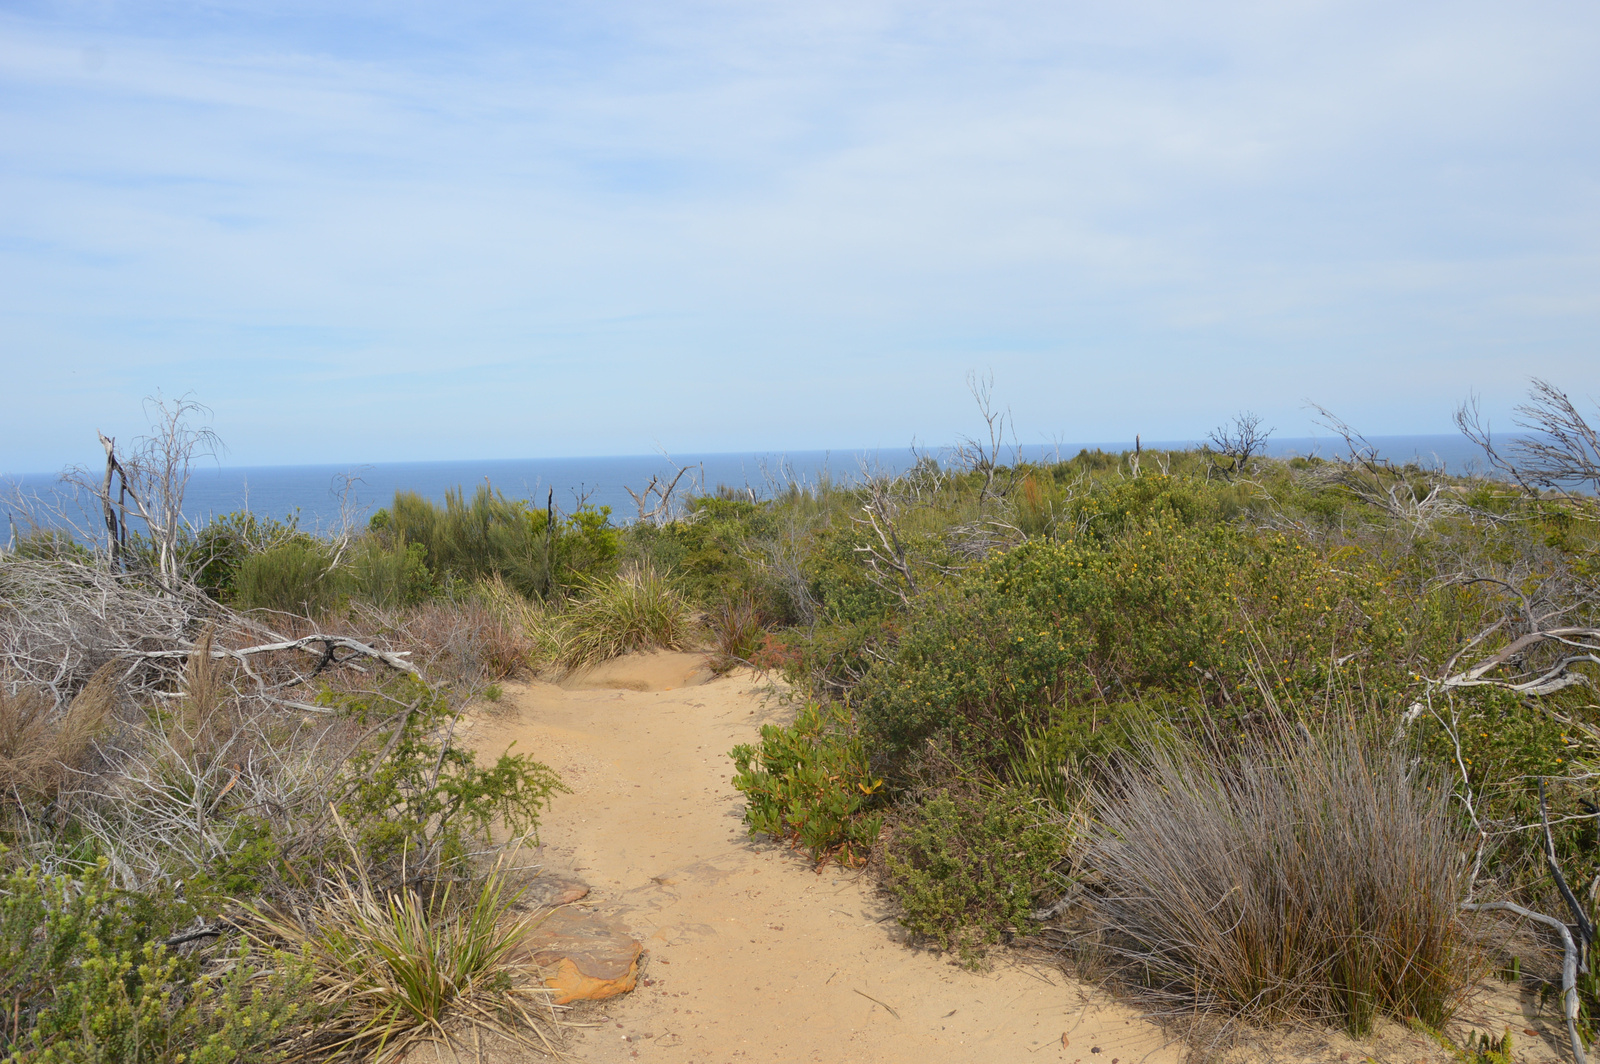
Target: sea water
(323, 496)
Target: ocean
(316, 492)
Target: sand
(751, 954)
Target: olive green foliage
(421, 797)
(809, 783)
(493, 536)
(223, 543)
(391, 573)
(84, 977)
(1160, 605)
(967, 865)
(49, 544)
(295, 575)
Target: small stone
(1064, 1042)
(1530, 1030)
(1094, 1049)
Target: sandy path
(750, 955)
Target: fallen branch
(1555, 678)
(330, 643)
(1569, 964)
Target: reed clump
(1295, 875)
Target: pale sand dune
(752, 956)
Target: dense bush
(530, 548)
(294, 576)
(85, 977)
(1158, 607)
(968, 865)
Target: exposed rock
(593, 957)
(547, 891)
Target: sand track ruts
(752, 956)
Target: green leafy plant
(967, 867)
(810, 783)
(420, 796)
(85, 977)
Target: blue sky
(406, 231)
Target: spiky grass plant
(1300, 875)
(636, 610)
(399, 969)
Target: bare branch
(1560, 449)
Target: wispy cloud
(364, 233)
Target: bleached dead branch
(60, 622)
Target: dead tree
(1560, 447)
(151, 481)
(658, 512)
(1241, 441)
(885, 553)
(983, 455)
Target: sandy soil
(753, 956)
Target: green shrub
(50, 545)
(1162, 607)
(967, 868)
(85, 978)
(222, 545)
(810, 783)
(295, 576)
(421, 797)
(390, 576)
(495, 537)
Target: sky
(404, 231)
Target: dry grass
(1301, 876)
(397, 971)
(39, 747)
(468, 641)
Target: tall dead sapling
(150, 480)
(983, 455)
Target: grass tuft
(636, 610)
(39, 748)
(394, 971)
(1299, 876)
